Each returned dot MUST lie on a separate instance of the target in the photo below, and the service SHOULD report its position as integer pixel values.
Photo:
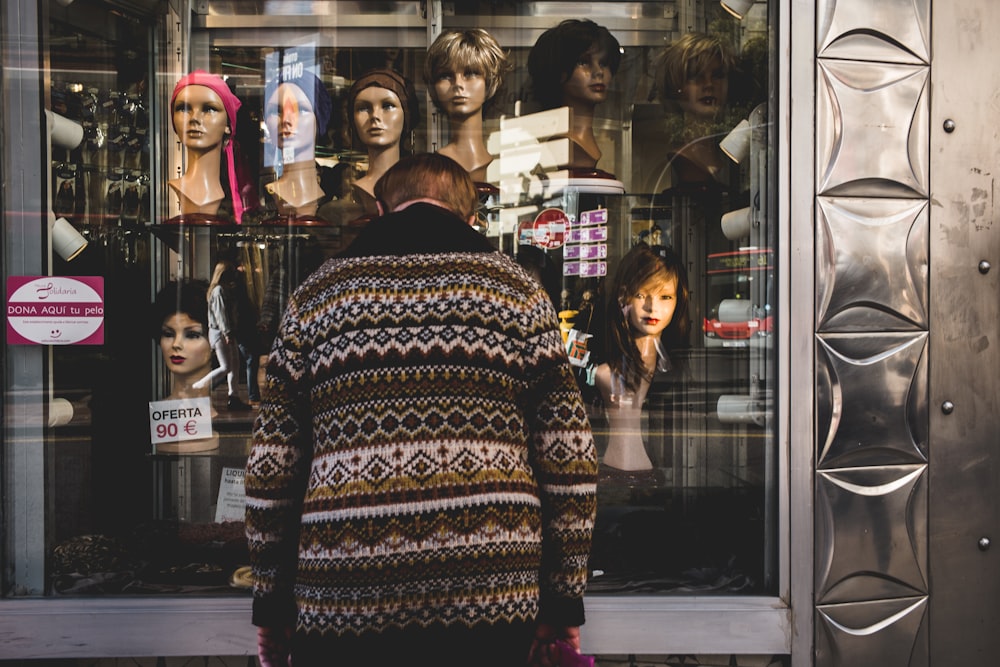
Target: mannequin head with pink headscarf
(203, 110)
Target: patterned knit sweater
(421, 454)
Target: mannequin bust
(693, 82)
(203, 111)
(296, 110)
(647, 314)
(572, 65)
(463, 71)
(626, 448)
(180, 325)
(383, 108)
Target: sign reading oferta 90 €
(55, 310)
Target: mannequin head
(383, 107)
(296, 111)
(575, 60)
(648, 299)
(204, 112)
(464, 70)
(199, 118)
(693, 76)
(180, 324)
(202, 94)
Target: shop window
(673, 154)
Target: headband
(390, 80)
(231, 104)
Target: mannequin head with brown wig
(646, 318)
(646, 314)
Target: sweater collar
(421, 228)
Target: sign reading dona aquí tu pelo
(55, 310)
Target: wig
(557, 52)
(188, 297)
(474, 50)
(688, 58)
(641, 266)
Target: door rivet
(949, 126)
(947, 407)
(984, 543)
(984, 267)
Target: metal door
(964, 350)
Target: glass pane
(653, 146)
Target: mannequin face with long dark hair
(650, 310)
(200, 118)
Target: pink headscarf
(232, 104)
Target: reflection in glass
(694, 513)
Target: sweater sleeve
(565, 460)
(276, 476)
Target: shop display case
(132, 512)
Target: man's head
(428, 177)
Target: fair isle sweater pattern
(454, 474)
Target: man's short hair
(428, 175)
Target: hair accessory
(392, 80)
(312, 86)
(231, 104)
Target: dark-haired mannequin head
(572, 65)
(646, 318)
(180, 324)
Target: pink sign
(55, 310)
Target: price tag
(231, 505)
(184, 419)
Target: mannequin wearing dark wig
(179, 323)
(203, 110)
(296, 111)
(572, 65)
(646, 318)
(463, 72)
(383, 107)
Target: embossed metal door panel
(964, 521)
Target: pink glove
(274, 647)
